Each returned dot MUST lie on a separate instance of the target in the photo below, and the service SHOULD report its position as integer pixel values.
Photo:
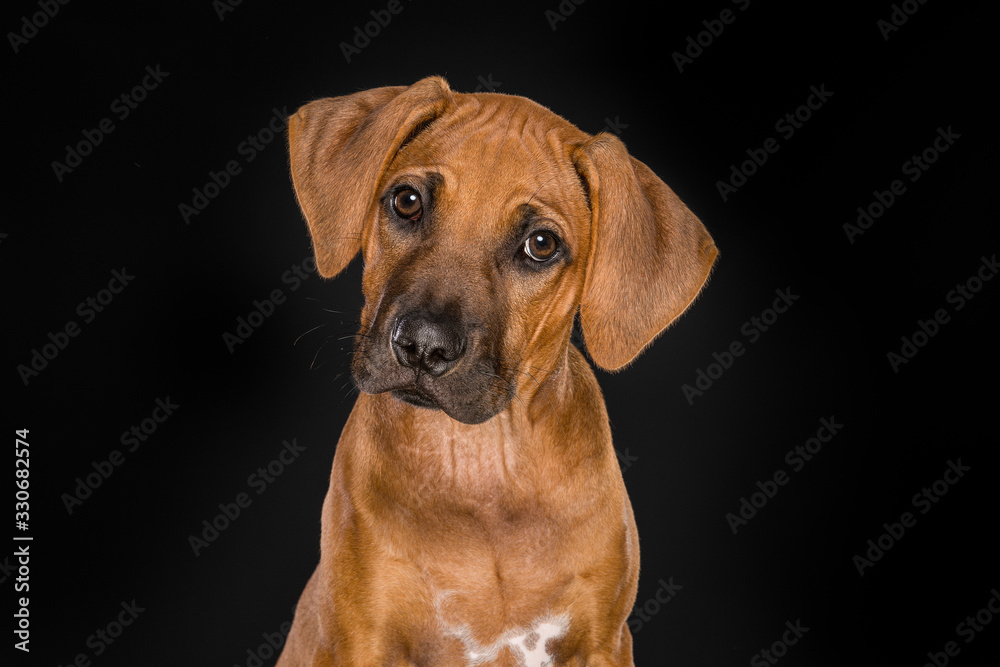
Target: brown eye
(407, 204)
(541, 246)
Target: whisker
(354, 335)
(318, 326)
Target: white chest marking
(532, 645)
(529, 645)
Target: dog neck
(417, 455)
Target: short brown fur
(444, 529)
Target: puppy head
(485, 221)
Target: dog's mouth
(469, 402)
(414, 396)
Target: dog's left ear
(649, 254)
(340, 147)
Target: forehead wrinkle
(510, 178)
(526, 161)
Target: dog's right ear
(340, 147)
(650, 254)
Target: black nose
(427, 344)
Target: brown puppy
(476, 512)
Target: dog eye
(541, 246)
(407, 204)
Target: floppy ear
(340, 147)
(649, 254)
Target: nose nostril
(440, 356)
(427, 345)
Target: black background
(687, 464)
